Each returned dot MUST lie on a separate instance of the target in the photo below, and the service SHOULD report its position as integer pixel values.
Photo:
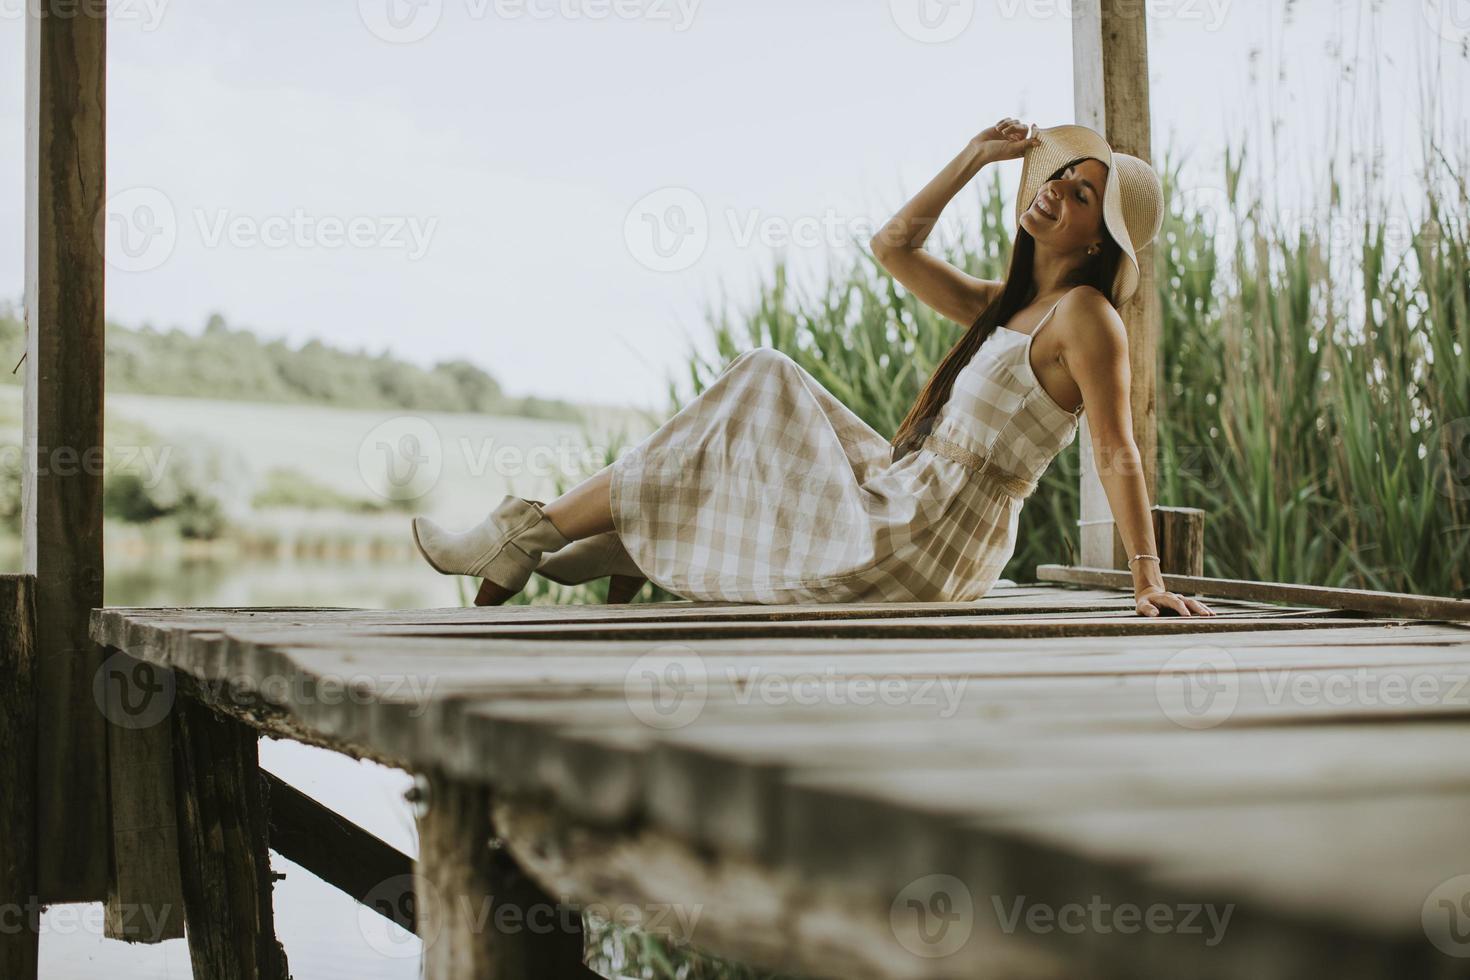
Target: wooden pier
(1037, 784)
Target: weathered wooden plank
(145, 899)
(224, 856)
(843, 927)
(19, 939)
(61, 485)
(390, 695)
(1395, 604)
(340, 853)
(737, 908)
(481, 916)
(1009, 601)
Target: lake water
(476, 460)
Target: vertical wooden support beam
(481, 916)
(1180, 532)
(223, 848)
(19, 909)
(66, 123)
(145, 900)
(1110, 94)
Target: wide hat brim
(1059, 146)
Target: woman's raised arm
(899, 244)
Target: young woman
(766, 488)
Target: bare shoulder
(1089, 324)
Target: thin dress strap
(1031, 339)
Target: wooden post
(145, 901)
(19, 909)
(1180, 532)
(66, 123)
(481, 917)
(1110, 93)
(224, 857)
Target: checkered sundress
(766, 488)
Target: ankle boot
(595, 557)
(503, 548)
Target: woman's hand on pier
(1158, 602)
(1008, 139)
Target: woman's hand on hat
(1008, 139)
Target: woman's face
(1067, 213)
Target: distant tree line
(236, 365)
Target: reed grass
(1325, 434)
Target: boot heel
(623, 589)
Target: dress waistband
(980, 466)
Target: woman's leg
(586, 509)
(581, 512)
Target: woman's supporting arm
(1096, 354)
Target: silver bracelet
(1136, 557)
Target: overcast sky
(557, 189)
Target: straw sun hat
(1133, 199)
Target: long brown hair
(1020, 289)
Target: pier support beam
(19, 929)
(482, 917)
(223, 848)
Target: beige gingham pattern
(766, 488)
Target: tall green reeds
(1326, 432)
